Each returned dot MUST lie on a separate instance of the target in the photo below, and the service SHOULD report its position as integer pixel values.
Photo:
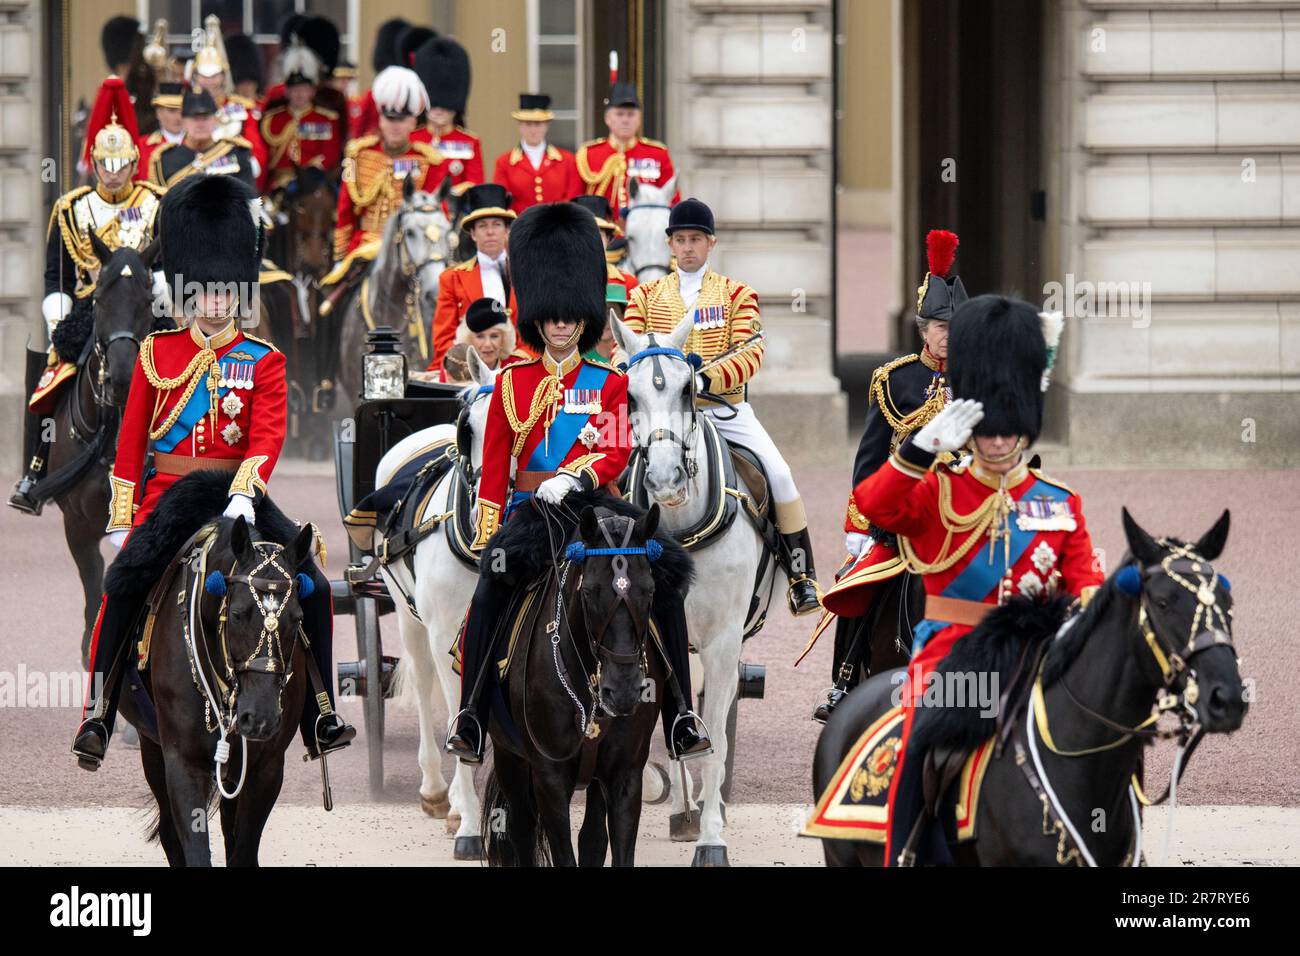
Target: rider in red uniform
(443, 66)
(982, 532)
(608, 165)
(536, 170)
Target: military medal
(589, 435)
(456, 167)
(582, 401)
(232, 404)
(232, 433)
(710, 317)
(1044, 514)
(403, 167)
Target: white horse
(648, 256)
(441, 588)
(669, 434)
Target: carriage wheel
(371, 649)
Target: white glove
(855, 543)
(117, 538)
(951, 428)
(553, 490)
(240, 505)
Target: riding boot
(23, 499)
(803, 596)
(850, 646)
(109, 652)
(908, 805)
(683, 729)
(323, 728)
(477, 667)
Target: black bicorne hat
(690, 214)
(557, 270)
(385, 51)
(198, 102)
(940, 294)
(210, 232)
(443, 66)
(623, 94)
(118, 39)
(484, 313)
(997, 355)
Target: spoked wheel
(370, 646)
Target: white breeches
(745, 429)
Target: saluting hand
(951, 428)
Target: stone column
(749, 123)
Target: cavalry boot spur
(467, 742)
(91, 744)
(803, 597)
(688, 741)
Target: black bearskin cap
(997, 355)
(209, 232)
(321, 36)
(245, 59)
(409, 39)
(443, 66)
(557, 268)
(118, 40)
(384, 53)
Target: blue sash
(550, 454)
(980, 576)
(198, 404)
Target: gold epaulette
(466, 266)
(467, 132)
(1037, 473)
(155, 163)
(601, 363)
(329, 114)
(355, 146)
(152, 187)
(653, 142)
(428, 151)
(243, 101)
(594, 142)
(899, 362)
(63, 204)
(261, 341)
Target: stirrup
(86, 760)
(702, 730)
(789, 596)
(453, 729)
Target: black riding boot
(683, 730)
(477, 668)
(803, 596)
(108, 658)
(36, 453)
(323, 728)
(850, 647)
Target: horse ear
(99, 247)
(682, 332)
(650, 523)
(1211, 544)
(150, 254)
(479, 372)
(408, 188)
(588, 524)
(240, 540)
(444, 189)
(627, 340)
(1141, 544)
(633, 187)
(302, 545)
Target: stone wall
(750, 97)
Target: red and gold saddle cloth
(856, 588)
(45, 397)
(855, 803)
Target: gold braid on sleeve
(121, 507)
(855, 516)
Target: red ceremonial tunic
(244, 425)
(146, 145)
(458, 288)
(528, 396)
(461, 155)
(309, 138)
(605, 169)
(556, 181)
(1039, 521)
(372, 189)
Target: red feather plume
(112, 99)
(940, 247)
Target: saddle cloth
(855, 587)
(854, 805)
(400, 504)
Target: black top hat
(940, 294)
(533, 108)
(169, 96)
(996, 355)
(558, 271)
(598, 206)
(118, 39)
(623, 94)
(486, 200)
(198, 102)
(443, 65)
(690, 214)
(484, 313)
(385, 51)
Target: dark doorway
(632, 28)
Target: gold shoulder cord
(363, 199)
(977, 522)
(193, 374)
(77, 245)
(544, 399)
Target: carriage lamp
(383, 365)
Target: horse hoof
(469, 848)
(665, 785)
(453, 821)
(684, 827)
(437, 806)
(710, 856)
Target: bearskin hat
(940, 294)
(211, 232)
(443, 65)
(557, 269)
(245, 59)
(997, 355)
(118, 39)
(409, 39)
(322, 37)
(385, 52)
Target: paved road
(1260, 765)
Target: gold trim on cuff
(583, 466)
(247, 481)
(489, 519)
(121, 507)
(855, 516)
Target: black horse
(1159, 630)
(225, 662)
(87, 415)
(582, 672)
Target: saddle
(725, 466)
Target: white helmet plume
(397, 88)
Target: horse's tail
(504, 835)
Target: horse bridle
(465, 434)
(411, 273)
(654, 353)
(627, 212)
